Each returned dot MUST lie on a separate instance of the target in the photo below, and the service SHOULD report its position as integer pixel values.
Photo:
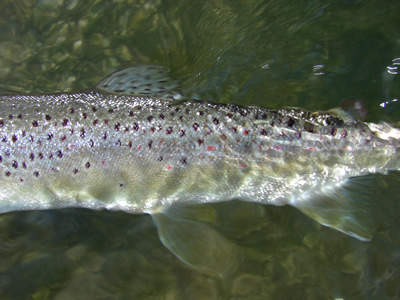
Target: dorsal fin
(145, 81)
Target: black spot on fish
(14, 164)
(181, 133)
(1, 123)
(65, 122)
(195, 126)
(75, 171)
(131, 114)
(243, 113)
(7, 152)
(152, 129)
(23, 133)
(118, 143)
(150, 144)
(32, 156)
(130, 144)
(95, 122)
(184, 161)
(216, 121)
(200, 141)
(4, 139)
(200, 113)
(63, 138)
(110, 110)
(223, 137)
(234, 129)
(177, 109)
(91, 143)
(208, 132)
(297, 135)
(36, 173)
(82, 133)
(87, 165)
(48, 117)
(309, 127)
(8, 173)
(138, 107)
(35, 124)
(72, 131)
(24, 165)
(169, 130)
(72, 110)
(41, 156)
(94, 108)
(333, 131)
(181, 118)
(150, 118)
(161, 116)
(187, 111)
(263, 132)
(1, 158)
(10, 117)
(14, 138)
(31, 138)
(290, 123)
(343, 133)
(117, 126)
(84, 115)
(160, 158)
(49, 136)
(59, 154)
(105, 136)
(50, 155)
(106, 122)
(229, 115)
(136, 126)
(20, 116)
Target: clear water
(309, 54)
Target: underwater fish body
(142, 150)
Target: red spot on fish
(243, 165)
(138, 147)
(211, 148)
(169, 167)
(311, 148)
(104, 163)
(246, 132)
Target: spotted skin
(95, 149)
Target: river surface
(310, 54)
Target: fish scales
(94, 149)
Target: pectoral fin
(196, 243)
(345, 206)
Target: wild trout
(130, 144)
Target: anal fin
(345, 206)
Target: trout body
(140, 153)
